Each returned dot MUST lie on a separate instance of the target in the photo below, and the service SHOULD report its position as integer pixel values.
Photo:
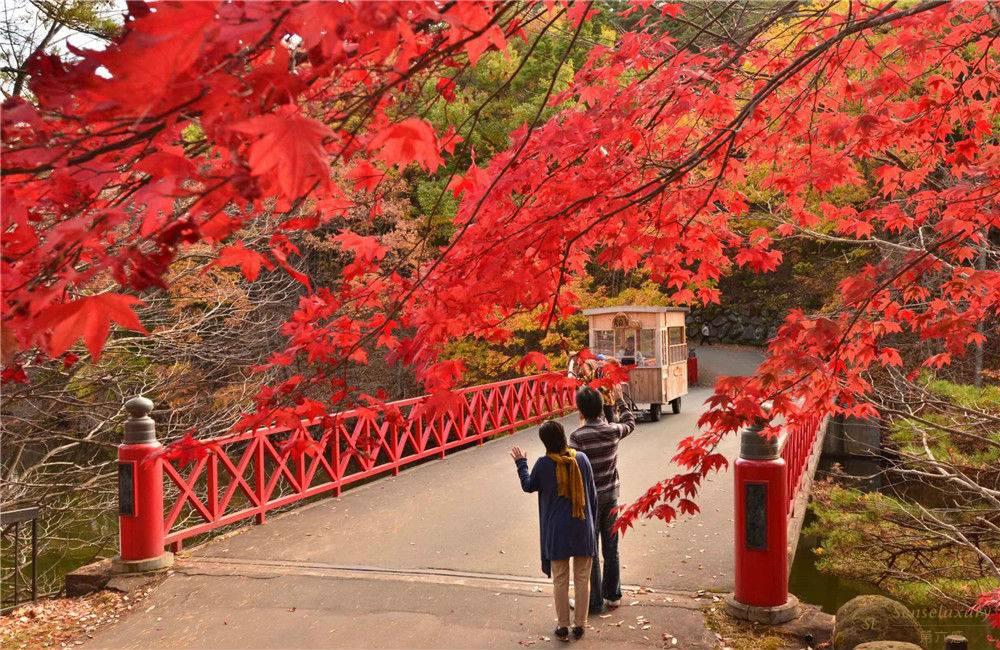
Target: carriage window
(676, 347)
(604, 342)
(647, 348)
(625, 343)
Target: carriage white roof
(642, 309)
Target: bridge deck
(445, 554)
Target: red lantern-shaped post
(760, 476)
(140, 493)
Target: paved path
(444, 555)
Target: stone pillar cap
(754, 446)
(139, 427)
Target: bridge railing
(248, 474)
(797, 447)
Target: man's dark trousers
(609, 586)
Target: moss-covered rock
(873, 618)
(887, 645)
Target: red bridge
(249, 474)
(461, 520)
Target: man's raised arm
(626, 419)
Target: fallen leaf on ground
(58, 622)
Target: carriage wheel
(675, 405)
(654, 412)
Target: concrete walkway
(445, 555)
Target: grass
(744, 635)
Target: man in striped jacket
(598, 439)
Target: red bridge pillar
(760, 477)
(140, 493)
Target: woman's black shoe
(577, 632)
(562, 633)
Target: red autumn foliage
(186, 450)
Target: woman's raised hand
(518, 454)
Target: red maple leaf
(439, 403)
(288, 150)
(14, 374)
(364, 247)
(88, 318)
(688, 507)
(248, 260)
(411, 140)
(394, 416)
(533, 358)
(475, 179)
(446, 86)
(186, 450)
(365, 175)
(450, 139)
(301, 443)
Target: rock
(812, 628)
(887, 645)
(873, 618)
(89, 578)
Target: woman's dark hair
(589, 403)
(553, 436)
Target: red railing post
(395, 448)
(335, 457)
(140, 493)
(260, 480)
(213, 485)
(761, 517)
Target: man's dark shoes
(562, 633)
(577, 632)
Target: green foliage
(489, 361)
(986, 398)
(645, 293)
(88, 16)
(891, 539)
(869, 537)
(485, 116)
(939, 430)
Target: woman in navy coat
(567, 501)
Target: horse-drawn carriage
(651, 342)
